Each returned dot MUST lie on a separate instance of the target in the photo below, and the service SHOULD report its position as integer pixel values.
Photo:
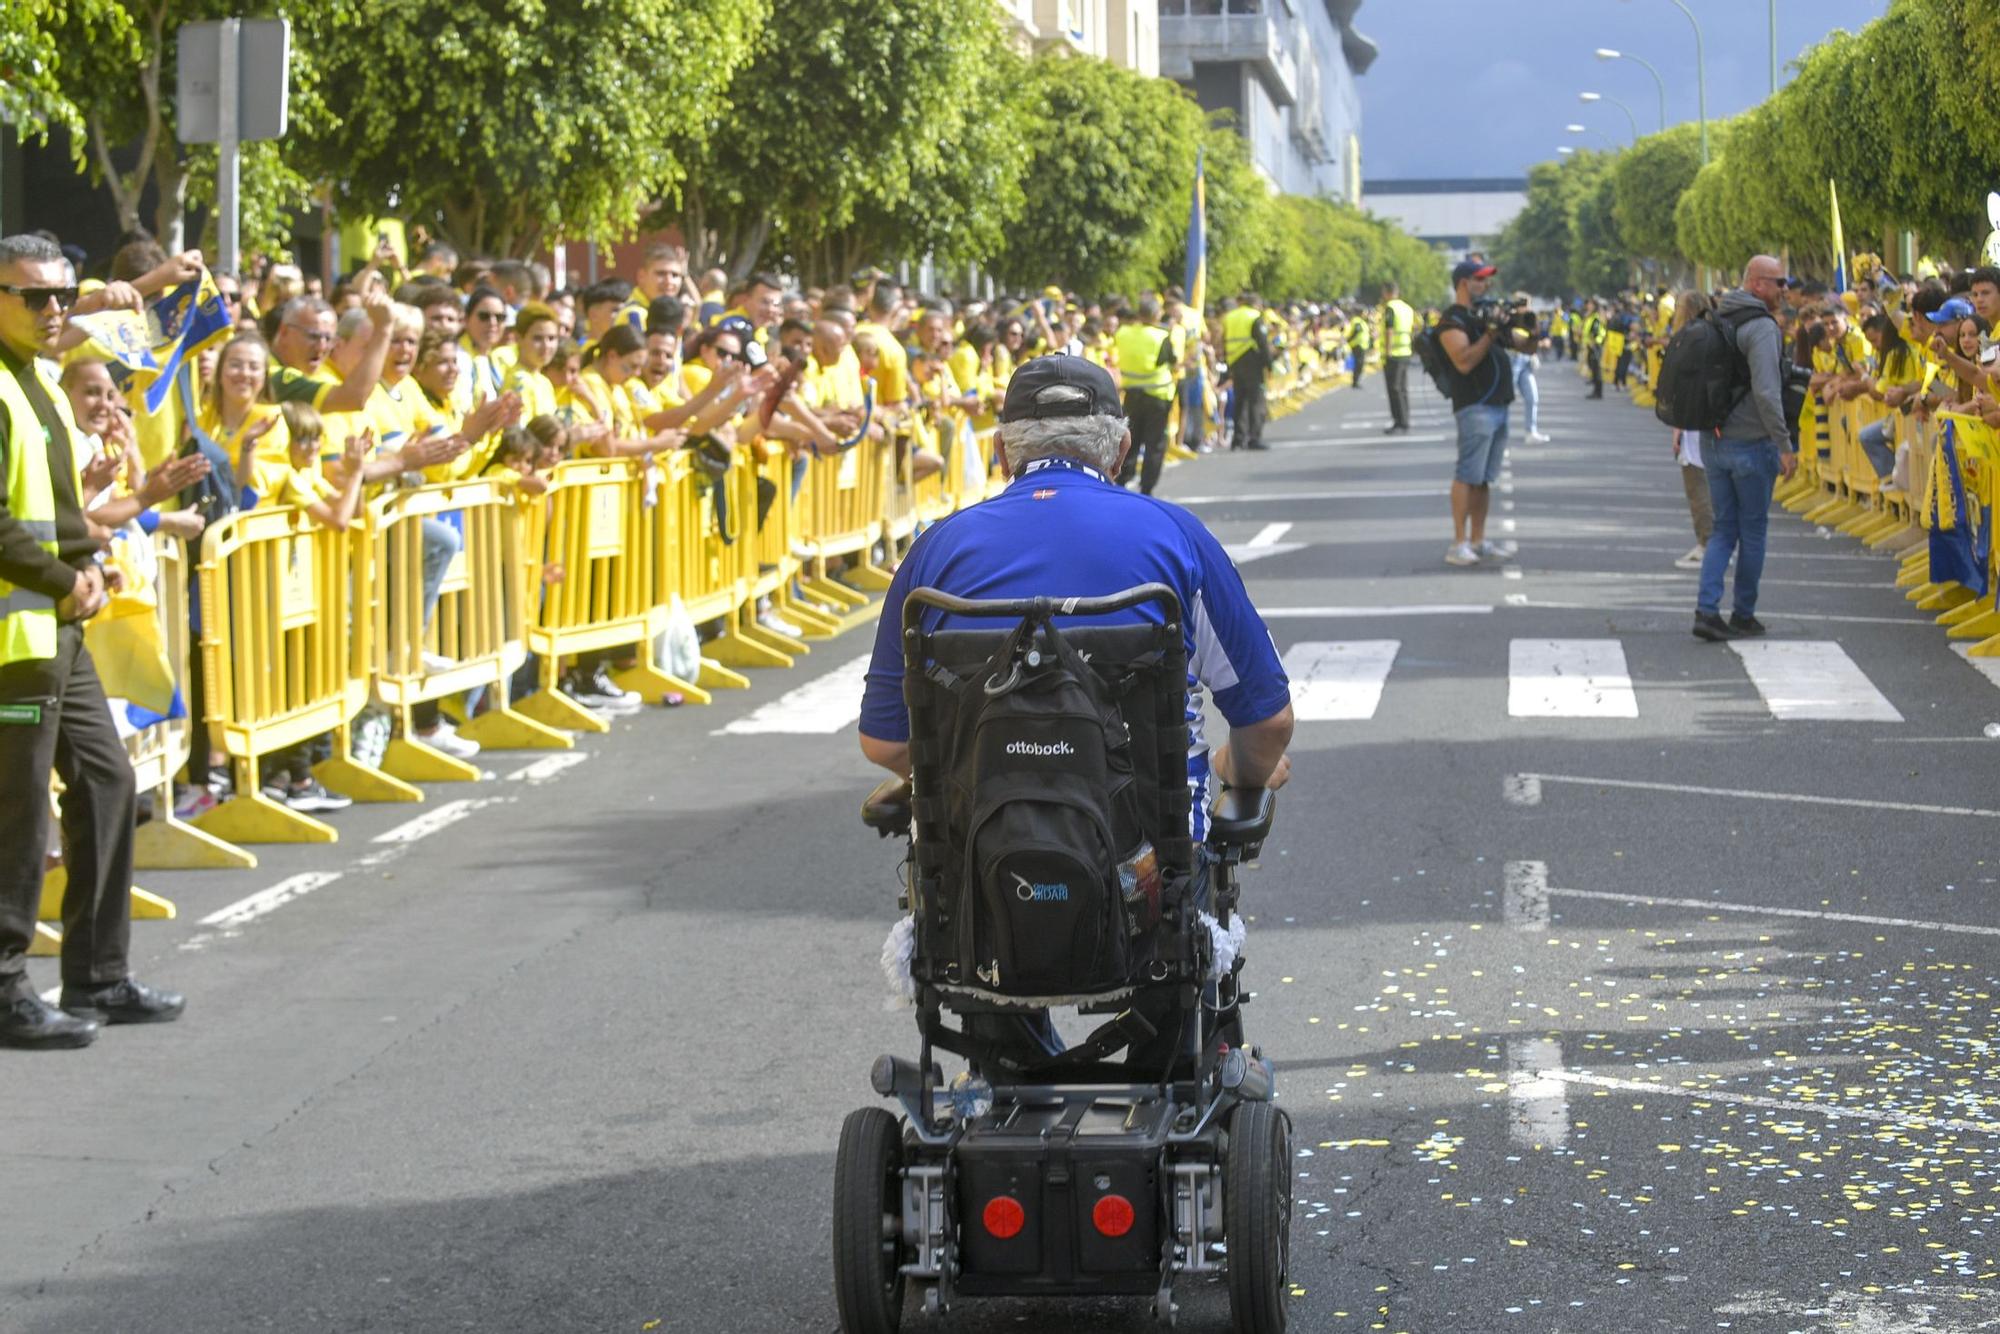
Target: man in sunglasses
(53, 713)
(1752, 449)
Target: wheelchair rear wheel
(1257, 1216)
(868, 1223)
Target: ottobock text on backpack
(1703, 375)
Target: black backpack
(1431, 356)
(1703, 374)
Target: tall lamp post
(1574, 128)
(1701, 73)
(1606, 53)
(1588, 98)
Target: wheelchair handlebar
(1041, 606)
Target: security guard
(53, 713)
(1147, 366)
(1399, 322)
(1360, 340)
(1594, 334)
(1246, 349)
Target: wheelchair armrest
(1241, 818)
(886, 810)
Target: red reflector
(1004, 1216)
(1112, 1215)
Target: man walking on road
(1147, 365)
(53, 713)
(1751, 451)
(1246, 347)
(1399, 322)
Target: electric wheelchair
(1149, 1150)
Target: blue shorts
(1482, 444)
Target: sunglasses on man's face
(35, 298)
(728, 354)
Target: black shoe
(1710, 626)
(1258, 447)
(125, 1002)
(31, 1022)
(1745, 625)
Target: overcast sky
(1485, 87)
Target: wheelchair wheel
(1257, 1216)
(868, 1223)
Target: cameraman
(1482, 386)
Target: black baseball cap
(1048, 387)
(1471, 268)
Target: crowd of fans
(441, 368)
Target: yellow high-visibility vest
(1236, 336)
(1398, 323)
(1139, 360)
(28, 618)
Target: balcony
(1256, 33)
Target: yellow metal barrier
(285, 657)
(839, 513)
(475, 637)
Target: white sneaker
(1461, 554)
(1691, 561)
(771, 621)
(370, 737)
(447, 739)
(1491, 550)
(438, 662)
(1538, 437)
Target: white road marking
(1689, 611)
(1261, 497)
(547, 767)
(1569, 678)
(1986, 667)
(1414, 438)
(1759, 910)
(1796, 798)
(1407, 609)
(821, 706)
(1265, 543)
(1524, 903)
(1538, 1097)
(1813, 679)
(433, 820)
(1269, 534)
(1831, 1110)
(1511, 572)
(250, 908)
(1339, 680)
(1520, 790)
(1507, 525)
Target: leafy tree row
(1904, 116)
(815, 135)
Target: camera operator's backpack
(1704, 375)
(1431, 356)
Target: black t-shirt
(1491, 382)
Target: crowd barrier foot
(744, 643)
(1968, 611)
(146, 906)
(1834, 508)
(833, 592)
(1913, 574)
(255, 818)
(1802, 499)
(1882, 527)
(409, 759)
(46, 943)
(1989, 648)
(1895, 539)
(552, 708)
(1946, 597)
(812, 620)
(1983, 626)
(351, 778)
(168, 843)
(653, 685)
(718, 675)
(506, 729)
(1855, 525)
(1918, 550)
(868, 577)
(1922, 591)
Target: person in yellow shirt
(1899, 379)
(306, 335)
(537, 336)
(610, 370)
(488, 355)
(883, 327)
(247, 430)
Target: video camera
(1503, 317)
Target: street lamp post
(1585, 129)
(1606, 53)
(1588, 98)
(1701, 73)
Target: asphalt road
(1607, 989)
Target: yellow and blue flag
(184, 323)
(1197, 242)
(1839, 241)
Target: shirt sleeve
(1233, 653)
(884, 715)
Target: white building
(1458, 213)
(1124, 32)
(1285, 69)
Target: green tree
(33, 95)
(863, 129)
(1599, 257)
(1533, 249)
(1648, 179)
(1309, 262)
(1108, 178)
(502, 123)
(1241, 214)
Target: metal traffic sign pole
(233, 85)
(228, 166)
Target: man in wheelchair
(1040, 673)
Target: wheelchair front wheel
(868, 1223)
(1257, 1216)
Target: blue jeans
(1527, 390)
(1878, 443)
(1482, 444)
(441, 543)
(1741, 474)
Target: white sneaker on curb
(1538, 437)
(1691, 561)
(447, 739)
(1461, 553)
(770, 620)
(1491, 550)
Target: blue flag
(185, 322)
(1961, 529)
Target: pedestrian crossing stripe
(1569, 678)
(1340, 680)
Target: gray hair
(302, 307)
(28, 248)
(354, 319)
(1093, 440)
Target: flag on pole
(1197, 242)
(1839, 241)
(185, 323)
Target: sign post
(233, 83)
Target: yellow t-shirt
(289, 386)
(964, 363)
(694, 378)
(538, 396)
(273, 456)
(892, 367)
